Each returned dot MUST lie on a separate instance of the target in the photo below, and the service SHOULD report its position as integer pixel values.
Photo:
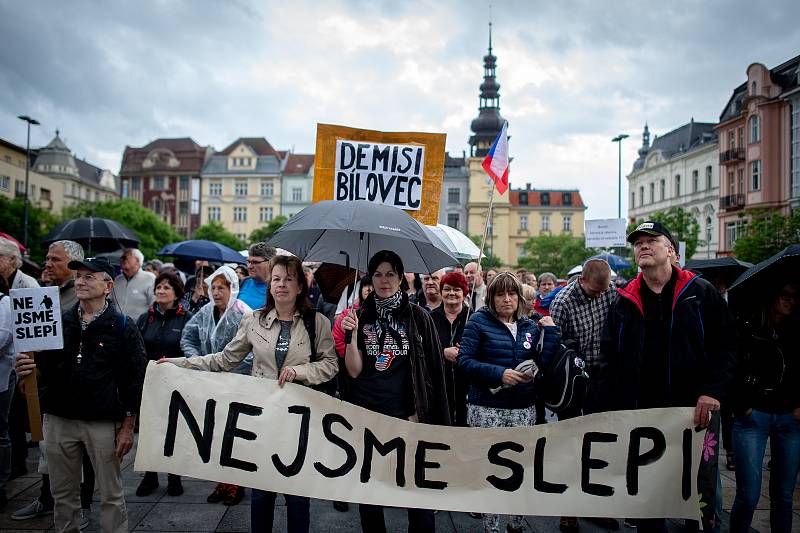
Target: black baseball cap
(95, 264)
(652, 228)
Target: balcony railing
(731, 202)
(731, 156)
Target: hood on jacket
(547, 300)
(232, 278)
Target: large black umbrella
(349, 233)
(774, 270)
(96, 234)
(726, 268)
(202, 249)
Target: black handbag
(562, 383)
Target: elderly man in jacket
(133, 288)
(668, 340)
(91, 389)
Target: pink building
(759, 143)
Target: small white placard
(605, 233)
(37, 319)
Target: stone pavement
(190, 512)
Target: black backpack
(562, 383)
(309, 320)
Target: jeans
(419, 520)
(5, 442)
(749, 443)
(262, 511)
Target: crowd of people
(447, 347)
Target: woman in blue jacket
(497, 338)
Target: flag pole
(483, 245)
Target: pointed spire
(645, 142)
(488, 124)
(490, 36)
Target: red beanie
(455, 279)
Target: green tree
(681, 224)
(153, 232)
(265, 233)
(767, 233)
(554, 253)
(40, 222)
(214, 231)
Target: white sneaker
(84, 519)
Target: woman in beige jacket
(279, 340)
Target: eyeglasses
(251, 262)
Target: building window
(633, 199)
(741, 181)
(215, 188)
(158, 183)
(240, 189)
(545, 222)
(708, 177)
(567, 226)
(267, 188)
(5, 183)
(184, 183)
(566, 198)
(19, 188)
(734, 230)
(755, 129)
(157, 206)
(265, 214)
(183, 209)
(136, 185)
(652, 192)
(521, 251)
(755, 175)
(740, 133)
(523, 198)
(453, 195)
(731, 139)
(125, 191)
(96, 196)
(709, 231)
(641, 196)
(523, 222)
(695, 181)
(240, 214)
(214, 213)
(663, 187)
(297, 194)
(545, 198)
(677, 184)
(453, 219)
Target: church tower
(488, 123)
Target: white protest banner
(605, 233)
(294, 440)
(37, 319)
(388, 174)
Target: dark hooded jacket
(457, 384)
(107, 382)
(700, 355)
(162, 330)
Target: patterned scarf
(386, 307)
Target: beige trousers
(64, 438)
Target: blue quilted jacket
(487, 349)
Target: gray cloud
(572, 74)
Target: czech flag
(496, 162)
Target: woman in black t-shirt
(395, 366)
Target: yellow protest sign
(402, 169)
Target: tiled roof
(190, 155)
(784, 75)
(680, 140)
(218, 164)
(298, 164)
(556, 197)
(259, 145)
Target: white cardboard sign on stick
(37, 319)
(294, 440)
(605, 233)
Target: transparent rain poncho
(201, 336)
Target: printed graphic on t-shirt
(390, 351)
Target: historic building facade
(241, 186)
(164, 176)
(679, 170)
(297, 183)
(759, 148)
(455, 189)
(43, 191)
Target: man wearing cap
(668, 341)
(91, 389)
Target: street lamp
(35, 122)
(618, 140)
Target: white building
(680, 169)
(297, 183)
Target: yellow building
(241, 186)
(44, 192)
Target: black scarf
(386, 322)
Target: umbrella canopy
(204, 250)
(778, 267)
(616, 262)
(96, 234)
(15, 241)
(459, 245)
(349, 233)
(575, 270)
(726, 268)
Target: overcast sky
(572, 74)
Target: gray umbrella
(349, 233)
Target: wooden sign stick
(34, 411)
